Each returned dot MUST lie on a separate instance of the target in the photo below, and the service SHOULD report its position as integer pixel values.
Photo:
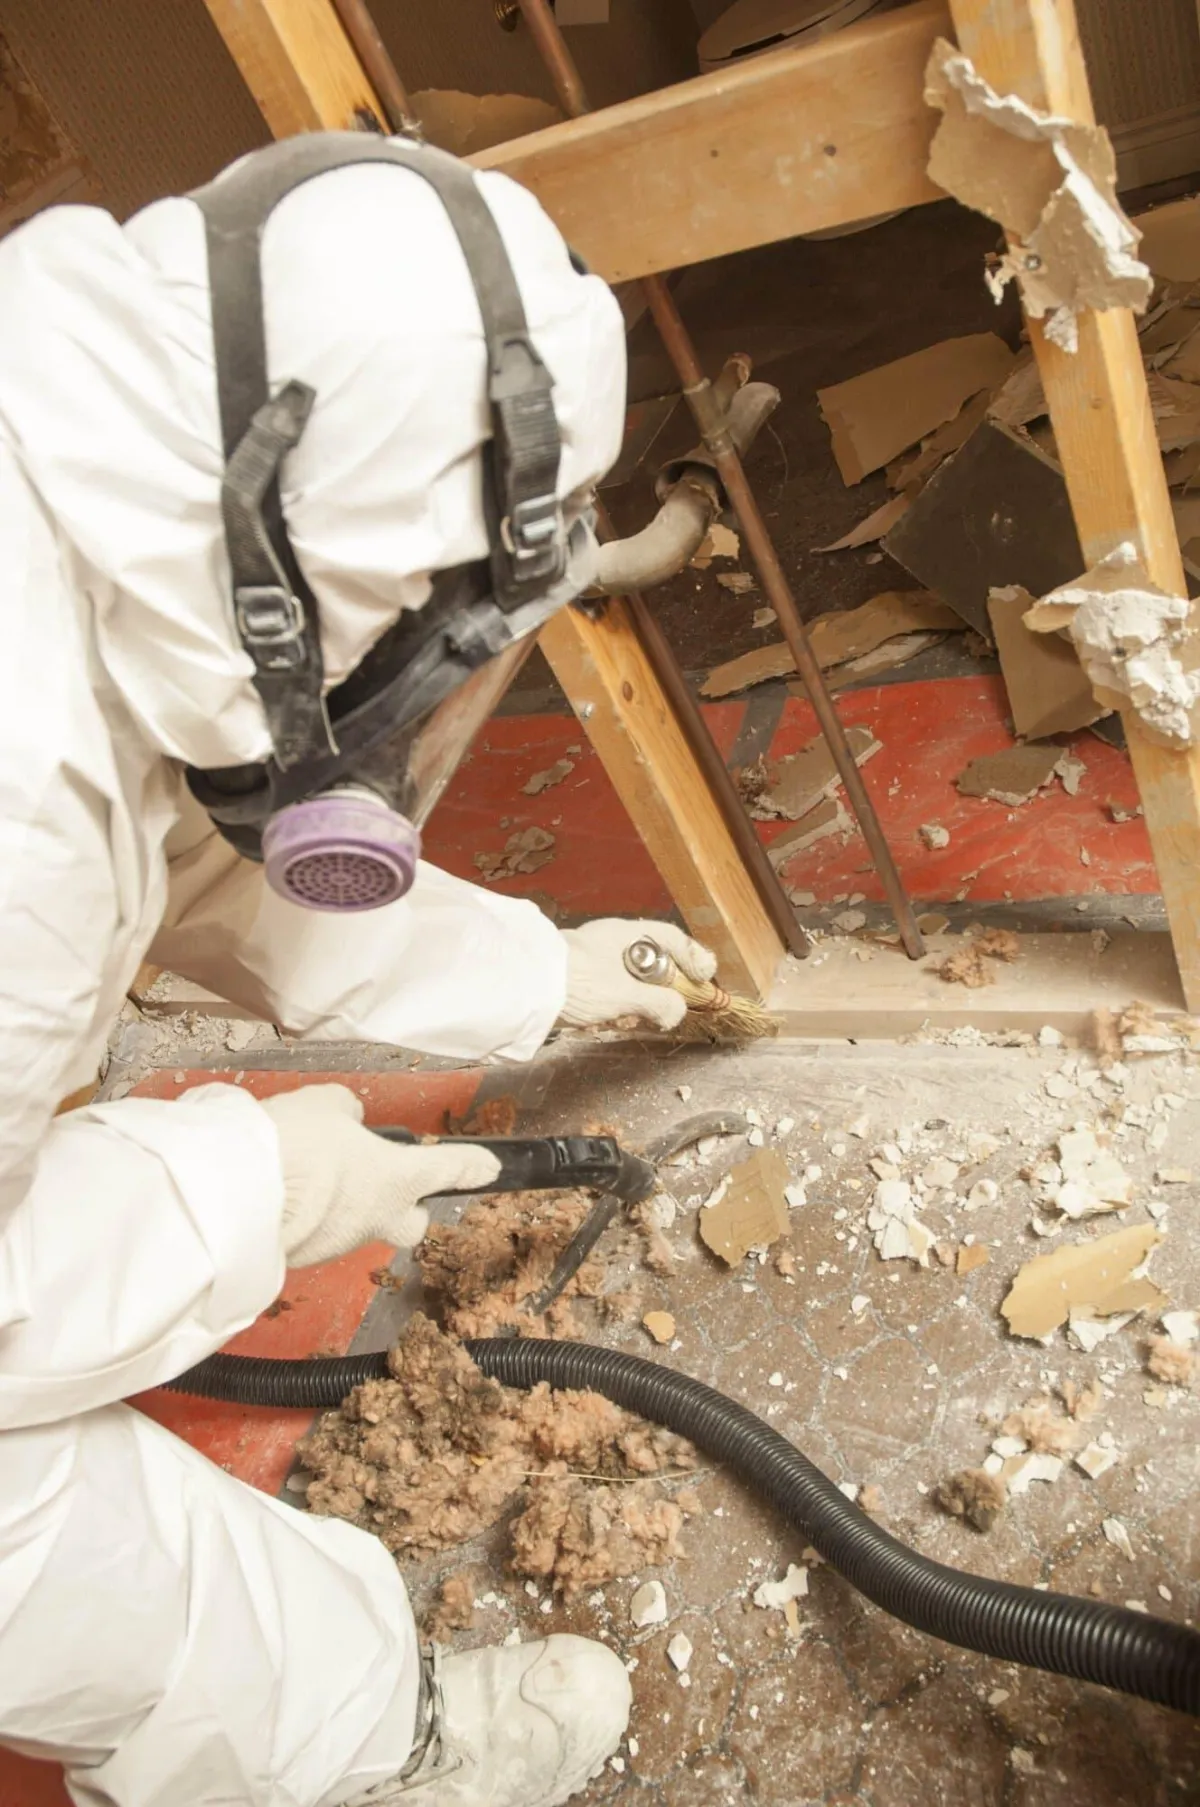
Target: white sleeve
(150, 1234)
(450, 969)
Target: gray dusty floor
(895, 1394)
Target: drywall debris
(1183, 1327)
(660, 1324)
(838, 638)
(875, 525)
(750, 1210)
(934, 835)
(1096, 1277)
(1096, 1459)
(776, 1595)
(793, 786)
(1086, 1331)
(763, 617)
(875, 416)
(1050, 182)
(972, 1255)
(1070, 770)
(1131, 638)
(738, 583)
(1114, 1530)
(850, 921)
(545, 781)
(526, 851)
(1169, 1361)
(723, 542)
(897, 1231)
(828, 818)
(1093, 1180)
(679, 1651)
(972, 1494)
(1012, 777)
(648, 1606)
(1021, 1471)
(1048, 689)
(909, 474)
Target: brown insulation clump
(1043, 1429)
(503, 1250)
(438, 1453)
(1169, 1361)
(972, 1494)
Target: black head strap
(274, 608)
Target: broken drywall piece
(545, 781)
(1012, 777)
(1183, 1327)
(829, 818)
(738, 583)
(799, 781)
(1020, 1472)
(763, 617)
(1096, 1459)
(972, 1255)
(751, 1211)
(775, 1596)
(876, 415)
(837, 638)
(876, 524)
(1050, 182)
(934, 835)
(648, 1605)
(909, 474)
(1092, 1276)
(526, 851)
(1048, 689)
(466, 123)
(719, 542)
(1130, 636)
(660, 1324)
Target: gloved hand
(344, 1186)
(598, 986)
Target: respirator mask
(335, 813)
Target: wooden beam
(1103, 426)
(603, 669)
(301, 68)
(780, 145)
(297, 63)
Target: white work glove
(344, 1186)
(599, 988)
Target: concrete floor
(859, 1709)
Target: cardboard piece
(872, 528)
(799, 781)
(1097, 1275)
(995, 514)
(837, 638)
(1051, 182)
(466, 123)
(879, 414)
(911, 473)
(1012, 777)
(1171, 240)
(1048, 689)
(750, 1211)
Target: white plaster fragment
(679, 1650)
(1118, 1536)
(649, 1605)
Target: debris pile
(438, 1453)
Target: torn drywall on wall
(1051, 183)
(1133, 641)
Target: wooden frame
(797, 142)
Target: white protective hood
(107, 388)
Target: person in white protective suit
(254, 541)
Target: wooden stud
(301, 68)
(1100, 410)
(780, 145)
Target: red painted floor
(928, 732)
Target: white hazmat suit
(173, 1637)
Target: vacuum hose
(1085, 1639)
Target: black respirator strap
(275, 611)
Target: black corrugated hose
(1111, 1645)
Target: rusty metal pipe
(705, 405)
(378, 66)
(709, 418)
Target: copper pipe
(546, 33)
(378, 66)
(698, 392)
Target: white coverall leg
(178, 1640)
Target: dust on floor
(892, 1377)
